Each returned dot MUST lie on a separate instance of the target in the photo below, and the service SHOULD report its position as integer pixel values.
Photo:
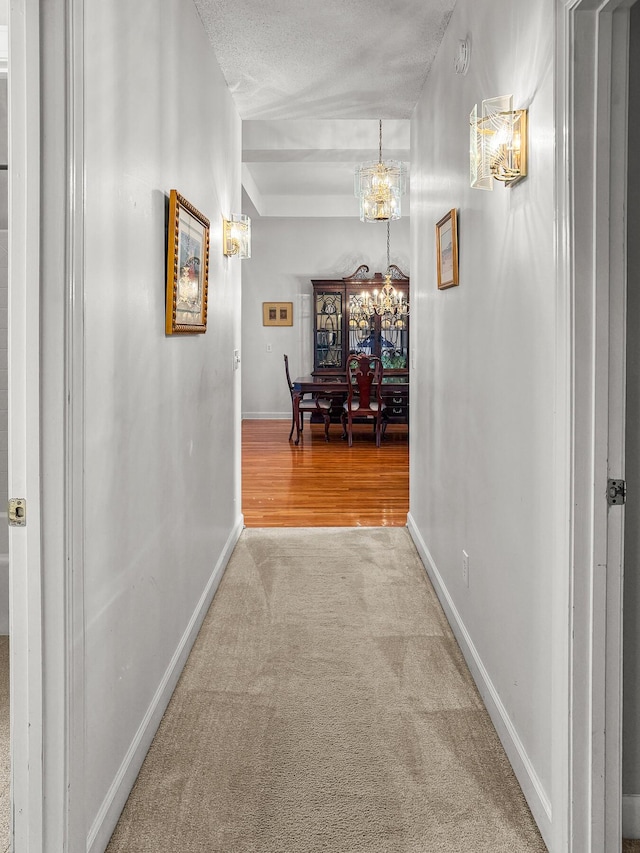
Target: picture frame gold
(447, 250)
(277, 313)
(187, 268)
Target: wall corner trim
(531, 785)
(116, 797)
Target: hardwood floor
(320, 484)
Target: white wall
(286, 255)
(483, 387)
(4, 281)
(4, 531)
(161, 419)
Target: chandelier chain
(388, 244)
(380, 142)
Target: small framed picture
(277, 313)
(187, 267)
(447, 250)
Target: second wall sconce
(498, 143)
(236, 238)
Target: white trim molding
(25, 546)
(586, 789)
(535, 794)
(266, 416)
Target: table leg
(296, 415)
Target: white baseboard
(266, 416)
(112, 805)
(631, 816)
(531, 785)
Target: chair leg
(293, 424)
(327, 421)
(350, 429)
(378, 425)
(343, 419)
(299, 423)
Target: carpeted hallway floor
(326, 708)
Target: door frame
(25, 558)
(591, 57)
(46, 375)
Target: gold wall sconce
(498, 138)
(236, 238)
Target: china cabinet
(364, 314)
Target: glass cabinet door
(362, 333)
(394, 342)
(385, 335)
(328, 328)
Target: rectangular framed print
(277, 313)
(447, 250)
(187, 268)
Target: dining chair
(364, 399)
(300, 405)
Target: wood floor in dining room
(323, 484)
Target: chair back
(286, 370)
(364, 373)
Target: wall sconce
(236, 240)
(498, 140)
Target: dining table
(336, 384)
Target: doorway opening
(317, 483)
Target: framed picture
(187, 267)
(277, 313)
(447, 250)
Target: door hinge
(616, 492)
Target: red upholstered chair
(311, 405)
(364, 399)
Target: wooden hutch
(345, 323)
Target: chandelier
(391, 305)
(388, 303)
(380, 186)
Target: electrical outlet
(269, 348)
(465, 568)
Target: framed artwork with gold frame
(277, 313)
(447, 250)
(187, 268)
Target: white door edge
(24, 426)
(46, 370)
(590, 424)
(616, 427)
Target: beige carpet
(326, 707)
(631, 847)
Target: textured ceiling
(289, 59)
